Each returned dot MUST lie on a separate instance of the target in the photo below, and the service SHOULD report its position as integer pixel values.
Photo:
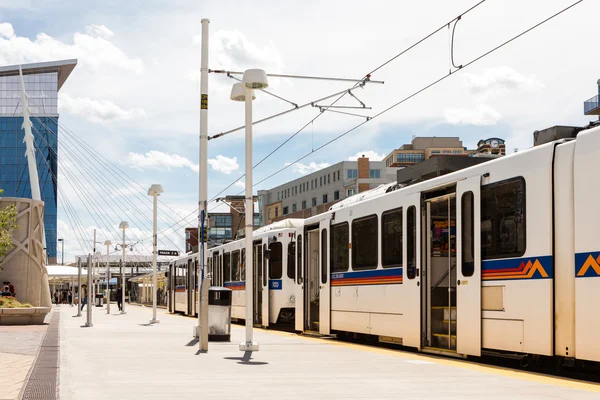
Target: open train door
(324, 284)
(468, 265)
(299, 284)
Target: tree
(7, 222)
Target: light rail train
(501, 258)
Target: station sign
(173, 253)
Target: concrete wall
(24, 266)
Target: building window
(328, 179)
(503, 219)
(320, 181)
(288, 192)
(278, 198)
(352, 174)
(276, 211)
(285, 210)
(409, 157)
(223, 220)
(391, 238)
(350, 192)
(304, 204)
(334, 176)
(325, 199)
(270, 213)
(339, 247)
(294, 207)
(291, 261)
(364, 243)
(338, 175)
(311, 185)
(314, 201)
(187, 235)
(375, 173)
(275, 261)
(336, 195)
(256, 221)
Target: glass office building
(42, 83)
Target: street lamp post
(253, 79)
(123, 225)
(154, 191)
(62, 259)
(108, 244)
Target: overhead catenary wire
(422, 90)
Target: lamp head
(155, 190)
(238, 93)
(255, 79)
(123, 225)
(107, 243)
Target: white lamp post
(154, 191)
(108, 244)
(253, 79)
(123, 225)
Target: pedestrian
(11, 288)
(83, 296)
(119, 299)
(56, 296)
(70, 297)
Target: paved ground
(19, 345)
(122, 357)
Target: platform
(123, 357)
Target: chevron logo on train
(518, 268)
(587, 265)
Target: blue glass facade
(14, 173)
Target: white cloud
(230, 50)
(241, 184)
(481, 115)
(158, 160)
(6, 30)
(99, 31)
(92, 49)
(304, 169)
(498, 80)
(224, 164)
(370, 154)
(97, 110)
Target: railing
(442, 278)
(591, 104)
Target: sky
(134, 95)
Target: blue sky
(134, 96)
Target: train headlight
(292, 299)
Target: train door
(265, 284)
(412, 276)
(468, 289)
(324, 285)
(257, 282)
(191, 284)
(299, 285)
(311, 283)
(171, 279)
(440, 274)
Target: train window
(411, 242)
(243, 266)
(235, 265)
(339, 247)
(227, 267)
(503, 219)
(276, 260)
(291, 258)
(364, 243)
(324, 256)
(391, 238)
(299, 261)
(468, 230)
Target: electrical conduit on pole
(203, 184)
(79, 296)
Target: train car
(500, 258)
(273, 273)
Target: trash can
(99, 299)
(219, 314)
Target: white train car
(273, 273)
(182, 285)
(500, 258)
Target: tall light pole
(62, 259)
(253, 79)
(154, 191)
(108, 244)
(203, 185)
(123, 225)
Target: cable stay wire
(435, 82)
(100, 178)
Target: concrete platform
(123, 357)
